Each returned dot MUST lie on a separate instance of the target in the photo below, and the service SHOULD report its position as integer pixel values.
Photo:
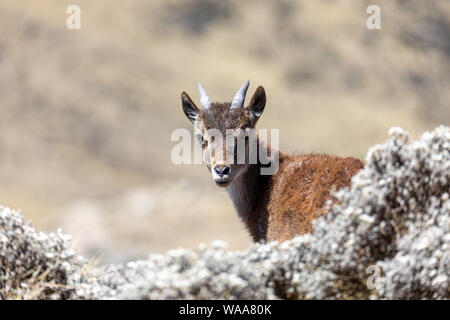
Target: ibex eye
(202, 140)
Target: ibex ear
(189, 107)
(257, 103)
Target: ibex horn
(205, 101)
(238, 100)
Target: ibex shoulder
(300, 189)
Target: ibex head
(219, 128)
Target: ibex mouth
(222, 183)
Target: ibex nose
(222, 170)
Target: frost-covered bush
(34, 264)
(389, 239)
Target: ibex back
(273, 207)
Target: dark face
(224, 134)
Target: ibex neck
(249, 193)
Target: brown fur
(283, 205)
(298, 192)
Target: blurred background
(86, 115)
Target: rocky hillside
(390, 239)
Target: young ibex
(273, 207)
